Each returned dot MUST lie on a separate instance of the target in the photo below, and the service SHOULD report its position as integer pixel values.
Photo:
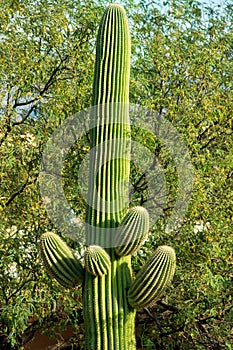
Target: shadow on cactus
(110, 294)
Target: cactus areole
(113, 230)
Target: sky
(213, 3)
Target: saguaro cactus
(113, 234)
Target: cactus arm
(135, 227)
(60, 261)
(153, 278)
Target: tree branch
(167, 306)
(25, 117)
(21, 189)
(17, 193)
(213, 342)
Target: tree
(183, 69)
(180, 66)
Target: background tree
(181, 66)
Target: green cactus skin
(113, 48)
(135, 228)
(153, 278)
(97, 261)
(59, 260)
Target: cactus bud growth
(97, 261)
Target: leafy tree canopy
(181, 66)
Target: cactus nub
(97, 261)
(135, 227)
(153, 278)
(59, 260)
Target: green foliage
(188, 76)
(45, 63)
(181, 58)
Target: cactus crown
(112, 69)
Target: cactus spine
(110, 296)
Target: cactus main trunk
(109, 320)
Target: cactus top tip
(116, 5)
